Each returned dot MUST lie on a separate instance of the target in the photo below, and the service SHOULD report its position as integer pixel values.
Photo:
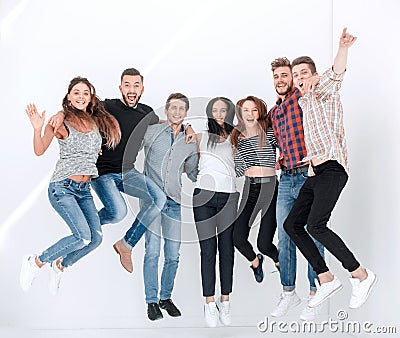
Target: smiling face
(79, 96)
(219, 111)
(131, 89)
(301, 72)
(250, 114)
(283, 81)
(176, 111)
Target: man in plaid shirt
(287, 122)
(326, 149)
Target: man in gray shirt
(166, 156)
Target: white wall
(202, 49)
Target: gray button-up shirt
(165, 158)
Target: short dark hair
(177, 96)
(131, 72)
(307, 60)
(280, 62)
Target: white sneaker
(309, 313)
(211, 314)
(325, 291)
(224, 311)
(286, 302)
(29, 271)
(361, 290)
(54, 278)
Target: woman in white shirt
(215, 201)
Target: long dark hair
(262, 120)
(214, 129)
(105, 122)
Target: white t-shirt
(216, 166)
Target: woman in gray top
(79, 139)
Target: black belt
(255, 180)
(294, 171)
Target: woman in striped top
(255, 158)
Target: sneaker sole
(328, 296)
(368, 293)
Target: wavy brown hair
(105, 122)
(262, 121)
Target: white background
(202, 49)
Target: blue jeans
(109, 187)
(288, 190)
(133, 183)
(74, 203)
(167, 225)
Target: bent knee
(97, 238)
(288, 226)
(160, 200)
(239, 242)
(120, 214)
(315, 230)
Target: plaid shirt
(287, 122)
(323, 121)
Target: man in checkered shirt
(287, 122)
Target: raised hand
(36, 119)
(346, 39)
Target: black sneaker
(168, 305)
(258, 271)
(153, 311)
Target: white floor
(165, 332)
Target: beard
(285, 91)
(127, 101)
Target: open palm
(36, 119)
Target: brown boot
(124, 255)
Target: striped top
(323, 121)
(78, 154)
(249, 154)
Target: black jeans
(314, 205)
(257, 197)
(215, 214)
